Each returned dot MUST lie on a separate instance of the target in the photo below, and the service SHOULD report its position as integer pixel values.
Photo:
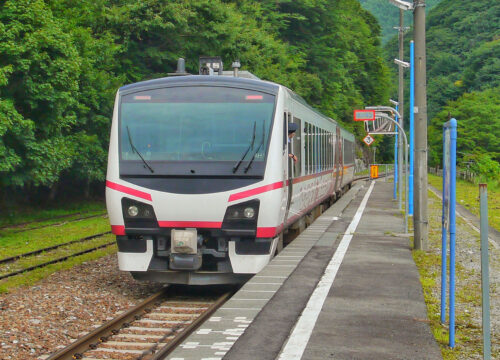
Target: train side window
(327, 138)
(311, 152)
(306, 148)
(330, 146)
(296, 147)
(316, 149)
(285, 131)
(320, 145)
(322, 142)
(328, 149)
(331, 150)
(324, 150)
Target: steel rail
(36, 252)
(92, 339)
(167, 349)
(48, 225)
(55, 260)
(101, 334)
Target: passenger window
(285, 131)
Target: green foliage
(38, 88)
(61, 62)
(462, 47)
(463, 75)
(484, 166)
(340, 43)
(478, 127)
(388, 15)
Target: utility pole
(420, 217)
(400, 104)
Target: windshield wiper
(235, 168)
(256, 151)
(137, 151)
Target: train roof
(261, 85)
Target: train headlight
(133, 211)
(241, 219)
(137, 214)
(249, 212)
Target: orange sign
(364, 115)
(374, 171)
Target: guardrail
(466, 175)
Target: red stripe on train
(268, 232)
(262, 232)
(191, 224)
(127, 190)
(256, 191)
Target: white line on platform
(297, 342)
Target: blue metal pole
(453, 169)
(485, 277)
(395, 196)
(412, 104)
(443, 236)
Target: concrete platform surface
(346, 288)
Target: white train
(200, 187)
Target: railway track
(39, 251)
(23, 229)
(149, 331)
(53, 261)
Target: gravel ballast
(39, 320)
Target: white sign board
(368, 140)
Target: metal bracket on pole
(383, 108)
(403, 5)
(387, 118)
(402, 63)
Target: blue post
(453, 176)
(451, 126)
(485, 277)
(412, 104)
(443, 235)
(395, 196)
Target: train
(200, 187)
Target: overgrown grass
(19, 243)
(468, 337)
(25, 214)
(468, 196)
(34, 276)
(13, 242)
(63, 251)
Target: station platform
(346, 288)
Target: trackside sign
(364, 115)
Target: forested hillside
(388, 15)
(61, 62)
(463, 75)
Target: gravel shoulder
(468, 281)
(40, 319)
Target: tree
(39, 83)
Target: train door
(289, 147)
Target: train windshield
(196, 123)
